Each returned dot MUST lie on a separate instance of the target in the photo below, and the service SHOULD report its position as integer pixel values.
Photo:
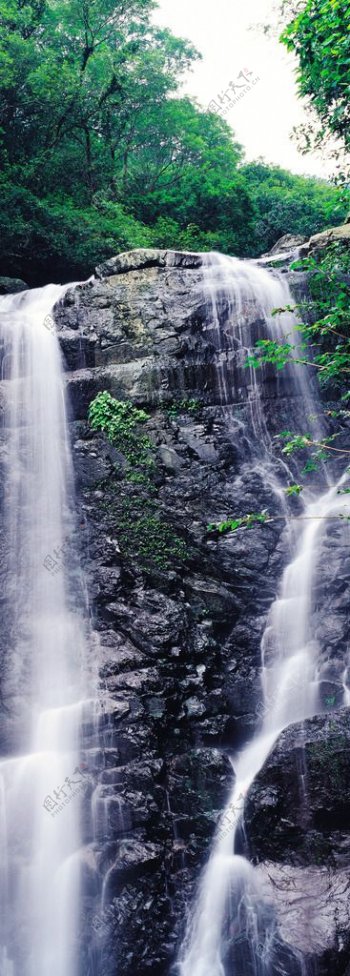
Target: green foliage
(114, 417)
(142, 530)
(319, 34)
(328, 335)
(320, 449)
(119, 419)
(296, 442)
(293, 490)
(325, 345)
(247, 521)
(100, 153)
(270, 351)
(183, 405)
(232, 524)
(326, 340)
(289, 204)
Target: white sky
(223, 31)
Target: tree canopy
(286, 203)
(100, 151)
(319, 34)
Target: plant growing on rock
(325, 345)
(181, 405)
(231, 524)
(119, 419)
(143, 530)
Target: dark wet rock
(298, 809)
(133, 860)
(297, 829)
(148, 258)
(132, 261)
(148, 332)
(8, 286)
(178, 610)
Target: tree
(76, 83)
(319, 35)
(100, 153)
(290, 204)
(194, 178)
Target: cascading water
(241, 297)
(43, 682)
(232, 929)
(45, 689)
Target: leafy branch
(247, 521)
(324, 344)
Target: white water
(43, 681)
(241, 293)
(230, 891)
(44, 684)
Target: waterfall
(48, 681)
(231, 930)
(43, 668)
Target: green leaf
(293, 490)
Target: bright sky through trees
(224, 33)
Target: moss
(330, 758)
(182, 405)
(144, 532)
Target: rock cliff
(179, 613)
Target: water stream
(46, 694)
(231, 930)
(43, 679)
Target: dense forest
(101, 152)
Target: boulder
(289, 242)
(298, 809)
(320, 241)
(147, 258)
(9, 286)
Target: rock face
(10, 285)
(320, 241)
(288, 242)
(304, 820)
(178, 613)
(297, 823)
